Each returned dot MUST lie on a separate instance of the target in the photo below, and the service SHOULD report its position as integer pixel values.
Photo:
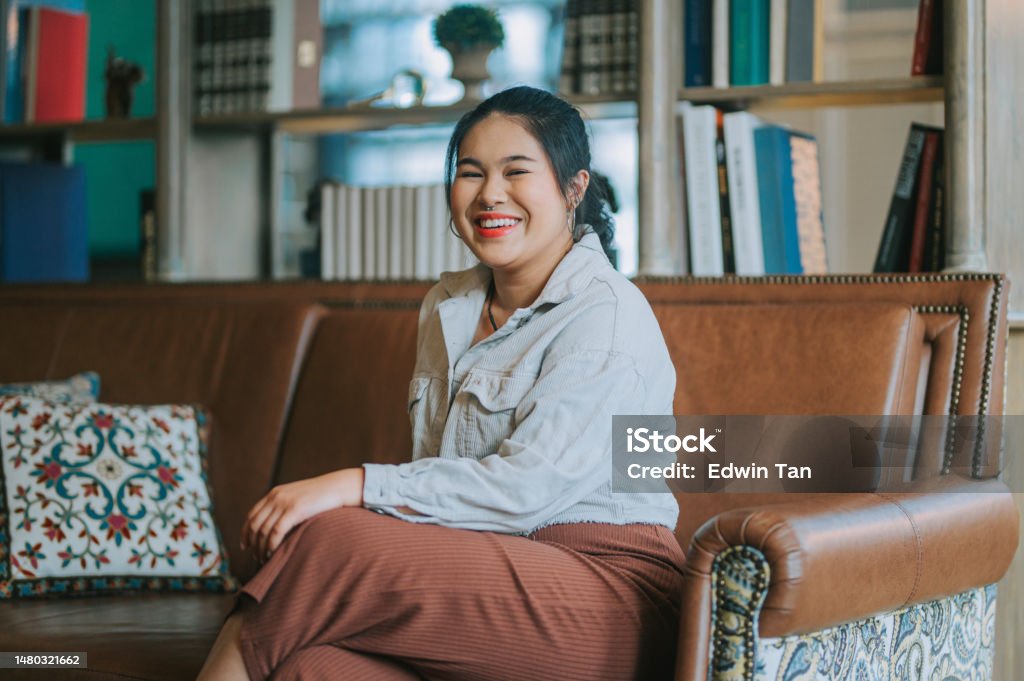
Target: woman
(500, 552)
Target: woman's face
(502, 166)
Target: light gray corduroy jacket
(515, 432)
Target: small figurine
(122, 77)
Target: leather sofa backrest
(240, 360)
(844, 345)
(351, 400)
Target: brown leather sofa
(306, 377)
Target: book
(383, 231)
(438, 230)
(935, 239)
(568, 82)
(805, 38)
(43, 231)
(697, 43)
(408, 232)
(354, 229)
(777, 42)
(148, 263)
(894, 247)
(922, 200)
(13, 14)
(702, 195)
(789, 187)
(328, 231)
(744, 203)
(342, 225)
(810, 226)
(749, 51)
(421, 231)
(927, 58)
(720, 43)
(55, 56)
(369, 229)
(395, 237)
(725, 216)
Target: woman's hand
(285, 506)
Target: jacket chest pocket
(422, 405)
(487, 412)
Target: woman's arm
(285, 506)
(559, 452)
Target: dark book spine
(935, 240)
(569, 80)
(697, 43)
(147, 236)
(894, 247)
(922, 201)
(728, 249)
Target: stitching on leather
(918, 544)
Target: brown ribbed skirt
(352, 594)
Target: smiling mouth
(497, 224)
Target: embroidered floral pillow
(105, 498)
(83, 388)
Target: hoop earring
(572, 222)
(451, 228)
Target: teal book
(748, 52)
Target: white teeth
(491, 224)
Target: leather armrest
(837, 558)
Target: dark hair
(558, 127)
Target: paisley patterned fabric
(942, 640)
(83, 388)
(105, 498)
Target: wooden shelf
(113, 130)
(819, 95)
(359, 119)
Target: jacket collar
(573, 274)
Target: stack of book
(373, 233)
(601, 47)
(257, 55)
(45, 48)
(752, 42)
(752, 192)
(913, 239)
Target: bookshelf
(111, 130)
(878, 92)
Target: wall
(117, 172)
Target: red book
(927, 58)
(55, 57)
(924, 199)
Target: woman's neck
(519, 288)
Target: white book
(394, 196)
(439, 232)
(777, 43)
(383, 231)
(421, 232)
(341, 236)
(720, 43)
(354, 226)
(702, 198)
(744, 200)
(408, 229)
(369, 233)
(327, 232)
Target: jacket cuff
(380, 485)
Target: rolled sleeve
(559, 452)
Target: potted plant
(469, 33)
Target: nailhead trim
(739, 555)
